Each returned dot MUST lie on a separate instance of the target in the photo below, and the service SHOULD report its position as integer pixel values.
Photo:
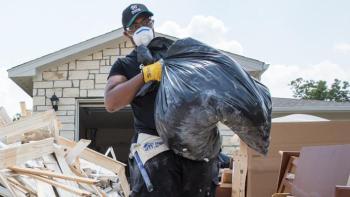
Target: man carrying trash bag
(155, 170)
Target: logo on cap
(135, 9)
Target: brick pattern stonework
(86, 77)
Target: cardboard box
(262, 172)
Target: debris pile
(36, 161)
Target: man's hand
(152, 72)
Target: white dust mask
(143, 36)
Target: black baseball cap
(132, 12)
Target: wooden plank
(342, 191)
(93, 156)
(19, 187)
(13, 131)
(226, 176)
(239, 175)
(75, 167)
(27, 182)
(76, 150)
(284, 186)
(5, 183)
(24, 186)
(281, 195)
(64, 167)
(4, 117)
(23, 107)
(4, 192)
(60, 185)
(43, 189)
(51, 163)
(20, 153)
(52, 174)
(101, 160)
(285, 155)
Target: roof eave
(29, 68)
(311, 109)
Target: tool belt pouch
(148, 146)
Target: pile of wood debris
(36, 161)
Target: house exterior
(77, 75)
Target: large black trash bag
(201, 86)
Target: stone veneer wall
(86, 77)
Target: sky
(297, 38)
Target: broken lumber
(4, 117)
(23, 107)
(50, 163)
(5, 183)
(56, 184)
(20, 153)
(101, 160)
(13, 132)
(76, 150)
(19, 184)
(52, 174)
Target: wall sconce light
(54, 101)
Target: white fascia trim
(29, 68)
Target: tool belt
(148, 146)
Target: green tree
(318, 90)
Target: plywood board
(319, 169)
(20, 153)
(15, 130)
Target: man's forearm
(119, 95)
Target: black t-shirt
(142, 106)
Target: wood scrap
(4, 117)
(52, 174)
(19, 187)
(65, 167)
(29, 190)
(27, 182)
(4, 192)
(36, 135)
(76, 150)
(226, 176)
(5, 183)
(23, 107)
(75, 167)
(20, 153)
(101, 160)
(43, 188)
(240, 171)
(15, 130)
(57, 184)
(34, 165)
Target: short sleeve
(117, 69)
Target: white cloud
(11, 94)
(278, 76)
(207, 29)
(343, 48)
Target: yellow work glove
(152, 72)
